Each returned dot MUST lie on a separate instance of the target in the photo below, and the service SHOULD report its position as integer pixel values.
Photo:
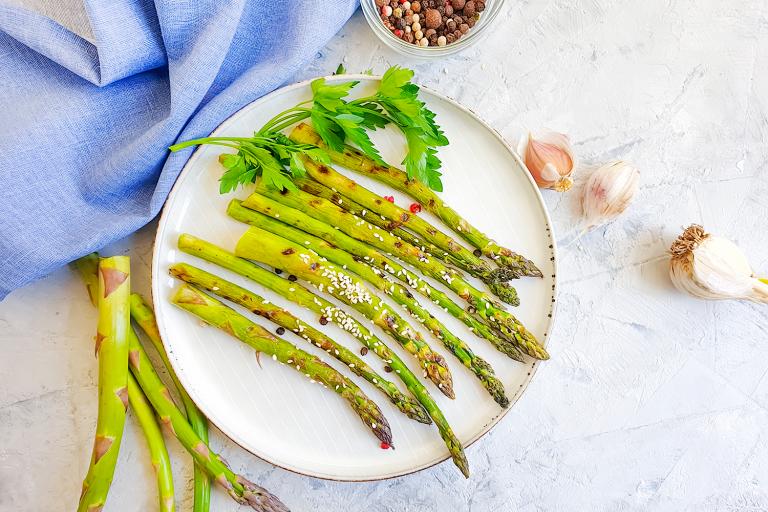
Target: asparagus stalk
(112, 350)
(238, 487)
(514, 265)
(498, 286)
(317, 189)
(397, 216)
(481, 368)
(259, 245)
(328, 212)
(143, 315)
(88, 266)
(262, 307)
(503, 321)
(159, 454)
(227, 319)
(258, 203)
(305, 298)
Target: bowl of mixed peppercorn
(429, 27)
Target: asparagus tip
(505, 292)
(259, 498)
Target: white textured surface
(651, 401)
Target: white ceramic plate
(274, 412)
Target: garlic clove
(549, 159)
(714, 268)
(608, 192)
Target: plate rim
(186, 169)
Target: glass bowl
(475, 34)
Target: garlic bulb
(608, 192)
(549, 159)
(711, 267)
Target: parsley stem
(216, 140)
(366, 99)
(289, 121)
(280, 118)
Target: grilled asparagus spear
(397, 217)
(228, 320)
(481, 368)
(513, 265)
(317, 189)
(307, 299)
(300, 220)
(265, 247)
(322, 209)
(264, 308)
(499, 286)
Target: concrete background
(652, 401)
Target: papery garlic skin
(608, 192)
(549, 159)
(714, 268)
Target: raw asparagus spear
(238, 487)
(160, 460)
(143, 315)
(258, 203)
(307, 299)
(112, 350)
(278, 315)
(398, 217)
(227, 319)
(481, 368)
(514, 265)
(265, 247)
(499, 287)
(88, 267)
(383, 240)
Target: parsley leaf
(330, 96)
(331, 133)
(394, 79)
(421, 161)
(275, 158)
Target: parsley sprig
(277, 159)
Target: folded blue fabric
(85, 123)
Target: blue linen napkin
(85, 121)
